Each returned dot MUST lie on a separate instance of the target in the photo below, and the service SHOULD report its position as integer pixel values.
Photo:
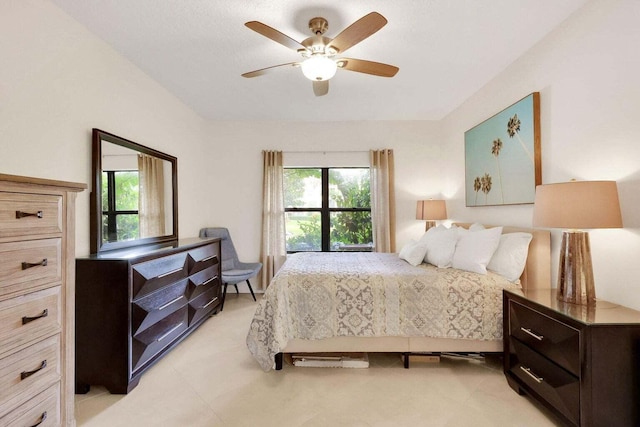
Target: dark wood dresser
(581, 362)
(132, 306)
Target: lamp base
(575, 271)
(429, 224)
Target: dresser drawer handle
(528, 331)
(531, 374)
(27, 374)
(169, 273)
(42, 418)
(26, 319)
(209, 257)
(209, 303)
(209, 280)
(20, 214)
(26, 265)
(170, 332)
(163, 306)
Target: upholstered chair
(233, 270)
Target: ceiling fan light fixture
(319, 68)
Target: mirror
(135, 194)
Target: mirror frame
(96, 244)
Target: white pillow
(441, 243)
(476, 227)
(510, 258)
(474, 250)
(413, 252)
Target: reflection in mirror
(138, 200)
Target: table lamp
(431, 210)
(577, 205)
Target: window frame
(112, 213)
(326, 211)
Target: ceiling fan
(321, 54)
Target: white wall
(58, 81)
(587, 73)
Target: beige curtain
(151, 195)
(273, 233)
(383, 211)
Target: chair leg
(251, 290)
(224, 295)
(236, 285)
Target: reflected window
(120, 198)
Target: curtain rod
(325, 151)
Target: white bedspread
(321, 295)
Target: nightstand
(583, 363)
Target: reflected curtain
(383, 211)
(151, 196)
(274, 250)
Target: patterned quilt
(321, 295)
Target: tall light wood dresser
(37, 279)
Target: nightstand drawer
(555, 385)
(553, 339)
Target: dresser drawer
(28, 317)
(30, 214)
(204, 257)
(29, 264)
(151, 341)
(555, 385)
(149, 276)
(29, 370)
(555, 340)
(148, 311)
(43, 410)
(204, 304)
(202, 281)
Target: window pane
(303, 188)
(349, 188)
(126, 191)
(128, 227)
(351, 231)
(303, 231)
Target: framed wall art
(502, 156)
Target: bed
(377, 302)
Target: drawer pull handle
(42, 418)
(20, 214)
(163, 306)
(170, 332)
(26, 265)
(169, 273)
(209, 280)
(209, 303)
(27, 374)
(528, 331)
(209, 257)
(26, 319)
(531, 374)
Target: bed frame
(536, 275)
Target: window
(327, 209)
(120, 219)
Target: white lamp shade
(319, 68)
(577, 205)
(431, 210)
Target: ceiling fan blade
(274, 35)
(358, 31)
(262, 71)
(320, 87)
(367, 67)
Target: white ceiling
(197, 49)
